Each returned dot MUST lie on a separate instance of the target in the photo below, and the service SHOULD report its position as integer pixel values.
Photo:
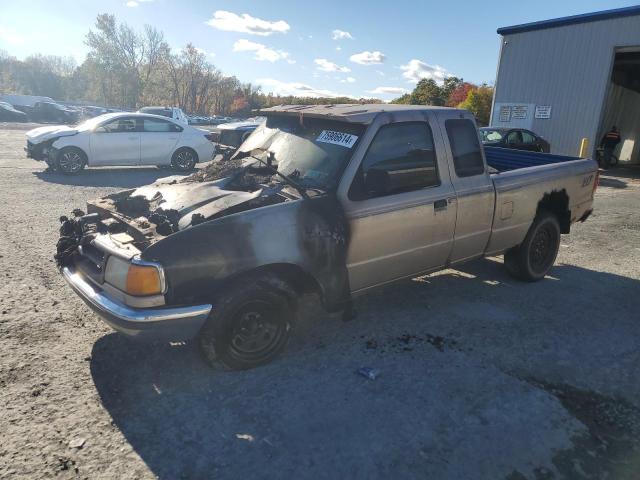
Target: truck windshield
(312, 151)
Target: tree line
(128, 69)
(454, 92)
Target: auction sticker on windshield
(337, 138)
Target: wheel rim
(542, 253)
(258, 331)
(70, 162)
(184, 160)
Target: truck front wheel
(250, 324)
(533, 258)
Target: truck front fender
(310, 235)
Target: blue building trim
(572, 20)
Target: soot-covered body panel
(307, 234)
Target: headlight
(136, 277)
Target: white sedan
(121, 139)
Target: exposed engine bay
(137, 218)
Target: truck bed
(506, 159)
(527, 181)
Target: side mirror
(100, 130)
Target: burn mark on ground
(611, 448)
(408, 342)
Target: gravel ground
(481, 377)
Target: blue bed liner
(505, 159)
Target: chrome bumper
(171, 324)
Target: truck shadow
(309, 415)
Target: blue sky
(357, 48)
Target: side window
(467, 156)
(157, 125)
(528, 138)
(120, 125)
(514, 137)
(401, 158)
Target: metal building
(572, 78)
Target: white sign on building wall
(505, 113)
(514, 115)
(519, 112)
(543, 111)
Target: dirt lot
(482, 377)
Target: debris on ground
(368, 372)
(77, 442)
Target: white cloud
(338, 49)
(245, 23)
(416, 70)
(11, 36)
(341, 35)
(380, 72)
(295, 88)
(368, 58)
(135, 3)
(388, 91)
(261, 52)
(348, 80)
(327, 66)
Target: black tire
(70, 160)
(250, 325)
(184, 159)
(533, 258)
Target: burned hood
(204, 200)
(172, 206)
(42, 134)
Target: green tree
(479, 103)
(427, 92)
(403, 99)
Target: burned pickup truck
(335, 200)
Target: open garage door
(622, 107)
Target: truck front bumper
(159, 324)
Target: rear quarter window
(465, 147)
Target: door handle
(440, 204)
(133, 138)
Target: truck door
(472, 184)
(400, 204)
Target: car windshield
(490, 135)
(312, 151)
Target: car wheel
(250, 325)
(184, 160)
(71, 160)
(534, 257)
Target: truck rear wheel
(533, 258)
(250, 324)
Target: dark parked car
(53, 112)
(10, 114)
(515, 138)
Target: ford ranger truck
(332, 199)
